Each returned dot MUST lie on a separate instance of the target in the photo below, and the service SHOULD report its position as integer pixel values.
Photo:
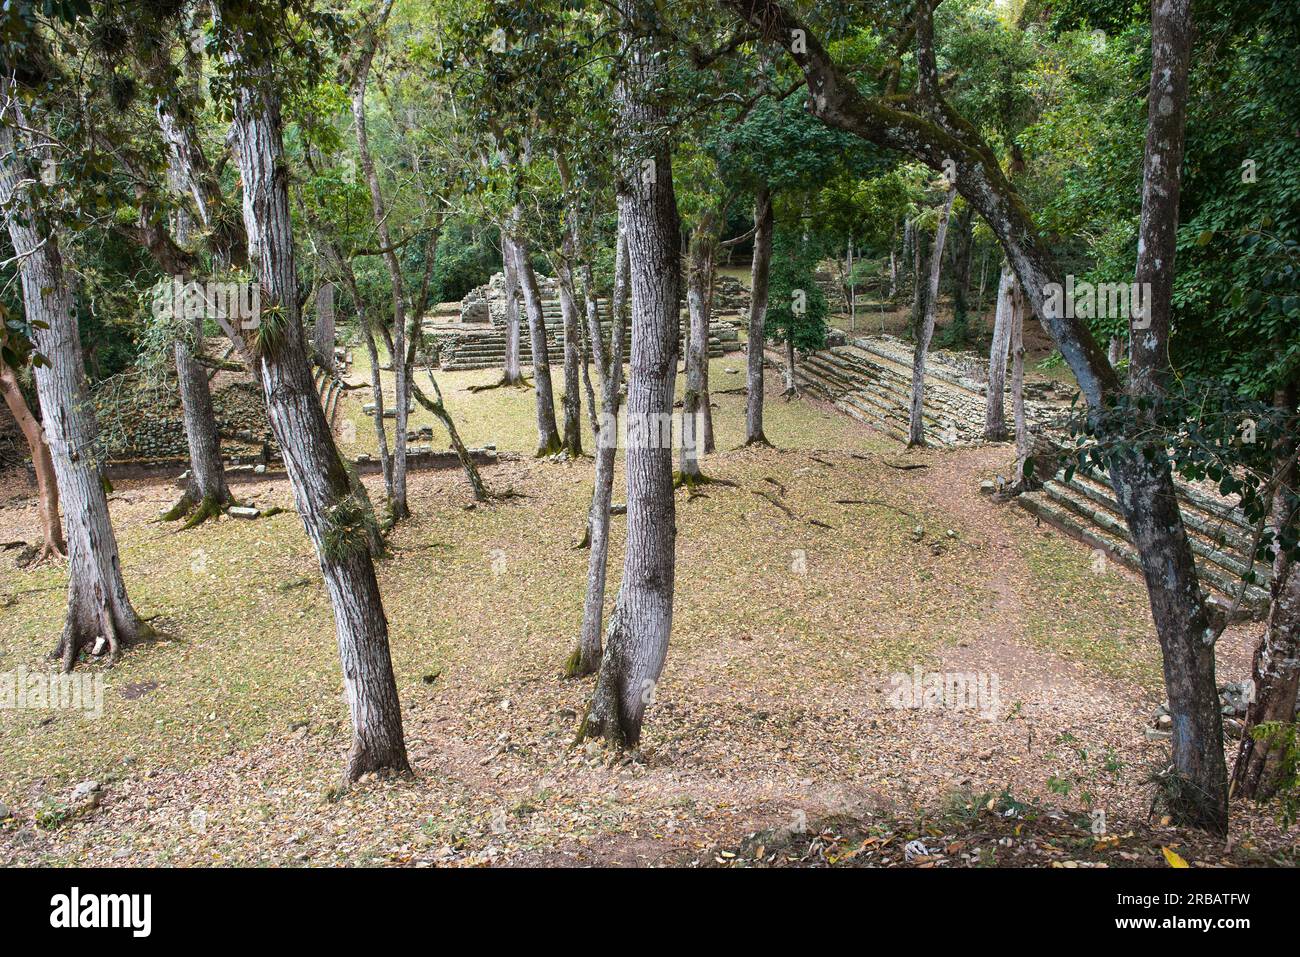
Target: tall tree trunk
(367, 325)
(206, 494)
(918, 284)
(995, 426)
(758, 282)
(1018, 380)
(397, 503)
(47, 489)
(323, 334)
(935, 135)
(637, 641)
(98, 606)
(916, 426)
(586, 656)
(327, 495)
(512, 374)
(571, 402)
(962, 257)
(1198, 791)
(548, 433)
(1275, 670)
(695, 400)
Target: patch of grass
(1101, 619)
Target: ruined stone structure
(870, 380)
(477, 340)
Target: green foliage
(466, 258)
(1280, 736)
(797, 308)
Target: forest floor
(774, 737)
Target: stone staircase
(871, 381)
(461, 345)
(1220, 535)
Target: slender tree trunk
(695, 400)
(47, 489)
(1275, 671)
(1115, 351)
(326, 494)
(759, 272)
(398, 507)
(1198, 790)
(323, 334)
(637, 641)
(1018, 380)
(995, 426)
(372, 351)
(98, 606)
(571, 403)
(962, 257)
(918, 287)
(984, 269)
(512, 374)
(207, 492)
(585, 659)
(916, 427)
(548, 433)
(791, 389)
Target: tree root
(502, 383)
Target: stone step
(1115, 541)
(1217, 527)
(1095, 503)
(886, 397)
(889, 414)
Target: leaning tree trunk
(637, 641)
(548, 433)
(328, 497)
(47, 489)
(995, 426)
(758, 282)
(206, 494)
(98, 606)
(440, 412)
(935, 135)
(571, 402)
(585, 659)
(1275, 671)
(916, 425)
(511, 374)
